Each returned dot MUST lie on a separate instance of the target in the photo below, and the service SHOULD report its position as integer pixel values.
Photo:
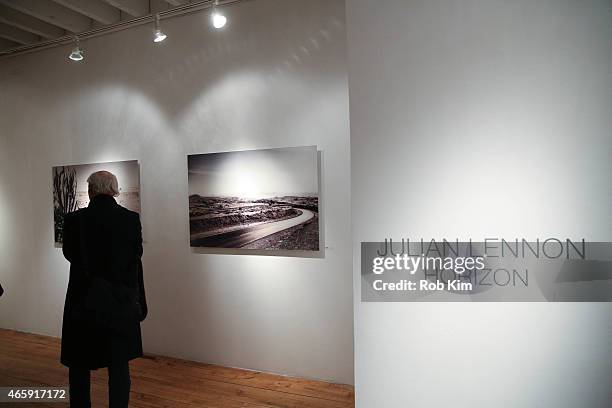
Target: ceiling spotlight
(218, 19)
(77, 52)
(159, 35)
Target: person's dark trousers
(118, 386)
(79, 387)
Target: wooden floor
(33, 360)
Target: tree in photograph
(64, 197)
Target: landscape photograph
(264, 199)
(70, 188)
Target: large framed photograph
(264, 199)
(70, 188)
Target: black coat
(114, 248)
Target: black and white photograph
(70, 188)
(264, 199)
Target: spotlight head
(218, 19)
(159, 36)
(76, 54)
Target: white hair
(103, 182)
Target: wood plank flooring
(33, 360)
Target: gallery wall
(473, 119)
(274, 77)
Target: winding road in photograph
(243, 236)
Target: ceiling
(28, 22)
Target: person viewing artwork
(105, 300)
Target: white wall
(276, 76)
(481, 119)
